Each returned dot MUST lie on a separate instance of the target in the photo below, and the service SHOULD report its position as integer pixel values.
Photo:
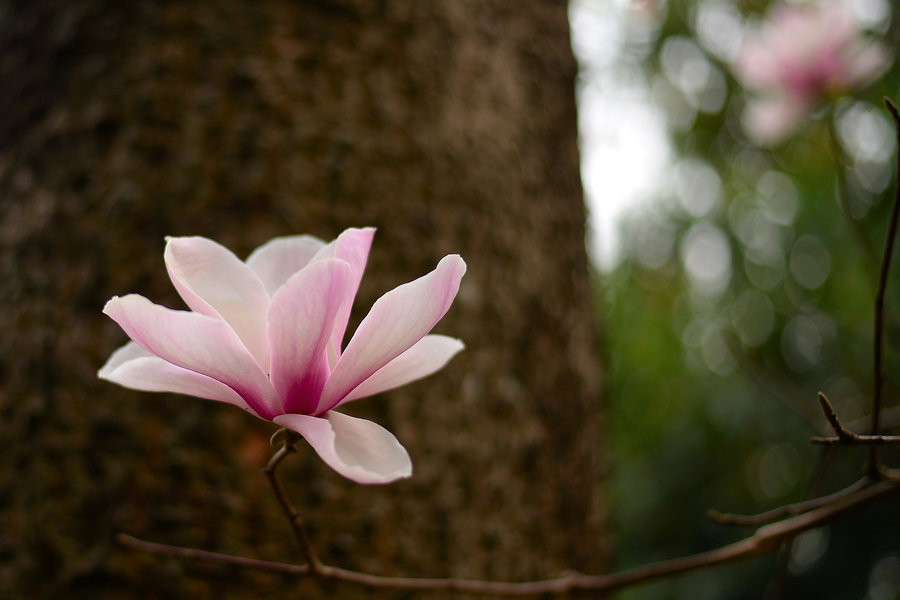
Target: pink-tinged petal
(198, 343)
(352, 246)
(397, 320)
(427, 356)
(301, 319)
(757, 66)
(275, 261)
(214, 282)
(133, 367)
(359, 450)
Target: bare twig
(215, 557)
(765, 540)
(788, 510)
(879, 298)
(845, 437)
(842, 433)
(858, 440)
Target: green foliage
(743, 292)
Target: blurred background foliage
(739, 291)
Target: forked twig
(845, 437)
(766, 539)
(878, 383)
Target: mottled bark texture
(448, 125)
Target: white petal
(397, 320)
(301, 320)
(198, 343)
(133, 367)
(275, 261)
(214, 282)
(358, 449)
(428, 355)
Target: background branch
(879, 298)
(788, 510)
(765, 540)
(845, 437)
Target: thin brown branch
(565, 583)
(858, 440)
(788, 510)
(879, 298)
(289, 511)
(214, 557)
(765, 540)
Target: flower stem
(289, 511)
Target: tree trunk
(448, 125)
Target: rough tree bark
(448, 125)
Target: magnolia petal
(198, 343)
(358, 449)
(275, 261)
(352, 246)
(397, 320)
(428, 355)
(214, 282)
(301, 319)
(133, 367)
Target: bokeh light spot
(804, 339)
(706, 256)
(753, 317)
(686, 65)
(718, 26)
(807, 549)
(866, 133)
(776, 470)
(810, 262)
(778, 197)
(884, 579)
(698, 186)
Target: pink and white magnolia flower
(265, 335)
(801, 54)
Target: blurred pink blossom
(265, 335)
(801, 54)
